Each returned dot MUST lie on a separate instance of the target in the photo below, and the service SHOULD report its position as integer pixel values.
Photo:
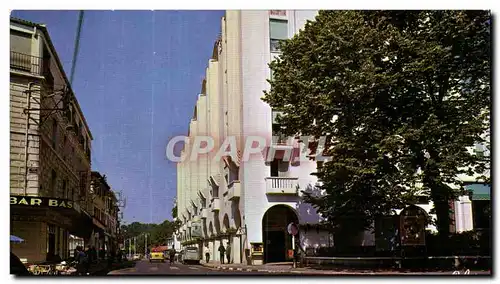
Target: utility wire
(77, 46)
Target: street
(143, 267)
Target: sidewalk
(287, 267)
(270, 268)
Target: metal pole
(129, 248)
(135, 246)
(26, 140)
(293, 249)
(146, 245)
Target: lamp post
(135, 246)
(243, 231)
(146, 244)
(129, 248)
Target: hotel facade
(52, 207)
(248, 205)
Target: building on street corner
(50, 161)
(247, 204)
(104, 214)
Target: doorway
(275, 237)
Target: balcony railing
(27, 63)
(215, 205)
(204, 213)
(282, 185)
(234, 190)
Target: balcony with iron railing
(282, 185)
(28, 64)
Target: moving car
(191, 255)
(158, 254)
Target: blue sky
(137, 78)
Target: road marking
(193, 268)
(153, 269)
(174, 268)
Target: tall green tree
(399, 95)
(174, 212)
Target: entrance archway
(413, 221)
(275, 237)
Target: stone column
(463, 214)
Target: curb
(246, 269)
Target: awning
(16, 239)
(480, 191)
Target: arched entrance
(413, 221)
(275, 237)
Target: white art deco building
(247, 205)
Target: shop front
(99, 239)
(46, 225)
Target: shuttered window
(20, 42)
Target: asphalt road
(157, 268)
(143, 268)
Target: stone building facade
(50, 149)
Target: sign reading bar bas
(40, 201)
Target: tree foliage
(174, 212)
(400, 95)
(157, 233)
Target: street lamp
(146, 244)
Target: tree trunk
(441, 197)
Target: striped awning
(480, 191)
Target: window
(53, 180)
(54, 134)
(279, 168)
(278, 30)
(233, 175)
(65, 189)
(479, 150)
(20, 47)
(274, 168)
(226, 174)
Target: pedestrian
(89, 259)
(111, 258)
(172, 255)
(228, 253)
(81, 261)
(207, 253)
(222, 252)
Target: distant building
(104, 213)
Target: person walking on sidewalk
(172, 255)
(81, 261)
(222, 252)
(228, 253)
(207, 253)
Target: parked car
(191, 255)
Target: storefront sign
(40, 202)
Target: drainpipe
(26, 139)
